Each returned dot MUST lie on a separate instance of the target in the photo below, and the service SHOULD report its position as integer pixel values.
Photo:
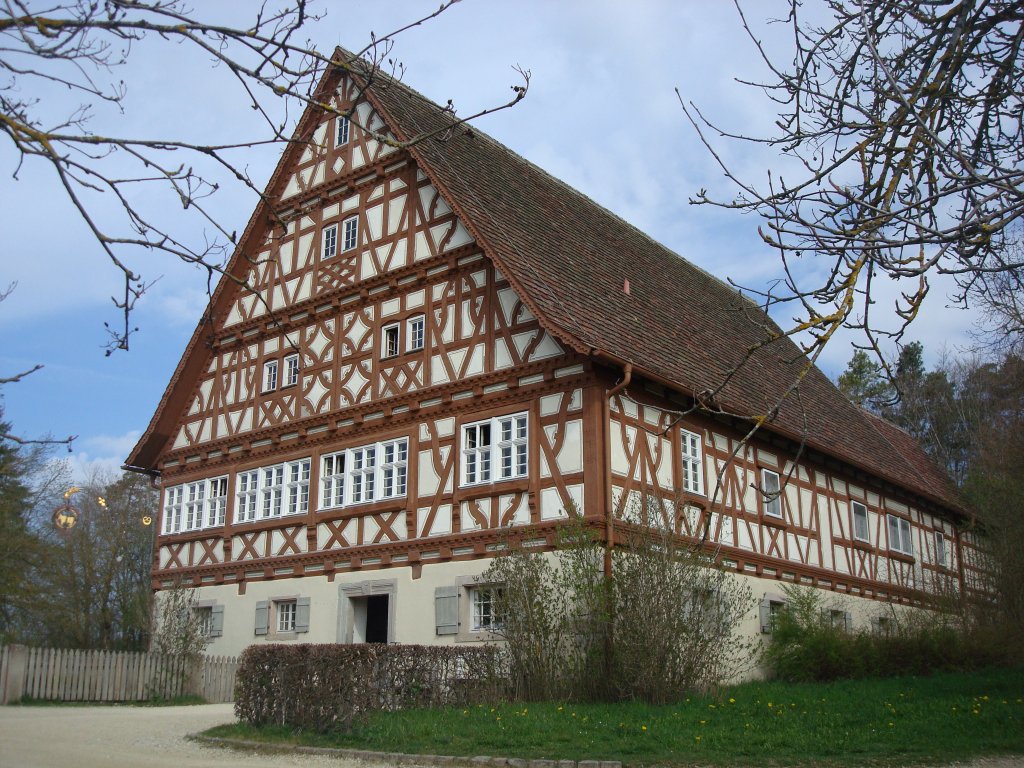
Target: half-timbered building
(423, 345)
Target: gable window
(860, 521)
(495, 449)
(350, 229)
(415, 333)
(270, 376)
(941, 554)
(365, 474)
(330, 242)
(194, 506)
(693, 476)
(899, 535)
(389, 340)
(291, 370)
(341, 134)
(275, 491)
(771, 493)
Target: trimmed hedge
(330, 687)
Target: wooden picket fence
(55, 674)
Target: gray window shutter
(262, 617)
(446, 610)
(766, 616)
(302, 614)
(217, 621)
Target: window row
(193, 506)
(348, 231)
(364, 474)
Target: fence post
(14, 676)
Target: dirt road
(129, 737)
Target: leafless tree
(74, 50)
(903, 121)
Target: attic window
(341, 136)
(351, 230)
(415, 333)
(899, 535)
(693, 475)
(860, 521)
(330, 241)
(389, 340)
(770, 493)
(270, 376)
(291, 370)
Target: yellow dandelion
(643, 727)
(732, 701)
(770, 705)
(696, 738)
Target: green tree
(865, 384)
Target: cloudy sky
(601, 114)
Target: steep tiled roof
(570, 258)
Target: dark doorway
(377, 619)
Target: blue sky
(601, 114)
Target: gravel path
(130, 737)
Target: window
(351, 230)
(285, 610)
(389, 340)
(883, 625)
(341, 135)
(291, 370)
(415, 331)
(282, 616)
(771, 493)
(839, 619)
(771, 608)
(860, 521)
(693, 476)
(495, 449)
(282, 489)
(270, 376)
(364, 474)
(204, 620)
(194, 506)
(899, 535)
(330, 242)
(485, 614)
(941, 555)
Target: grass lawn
(895, 721)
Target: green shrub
(330, 687)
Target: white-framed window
(860, 521)
(270, 376)
(204, 620)
(414, 329)
(285, 611)
(495, 449)
(196, 505)
(172, 508)
(484, 611)
(771, 493)
(364, 474)
(770, 609)
(941, 553)
(330, 242)
(693, 473)
(899, 535)
(341, 133)
(247, 496)
(350, 231)
(291, 369)
(389, 342)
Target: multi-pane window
(389, 340)
(330, 245)
(771, 493)
(291, 370)
(196, 505)
(484, 608)
(350, 229)
(247, 496)
(365, 474)
(495, 449)
(284, 489)
(341, 135)
(693, 476)
(941, 554)
(899, 535)
(285, 610)
(204, 620)
(415, 331)
(270, 376)
(172, 508)
(860, 521)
